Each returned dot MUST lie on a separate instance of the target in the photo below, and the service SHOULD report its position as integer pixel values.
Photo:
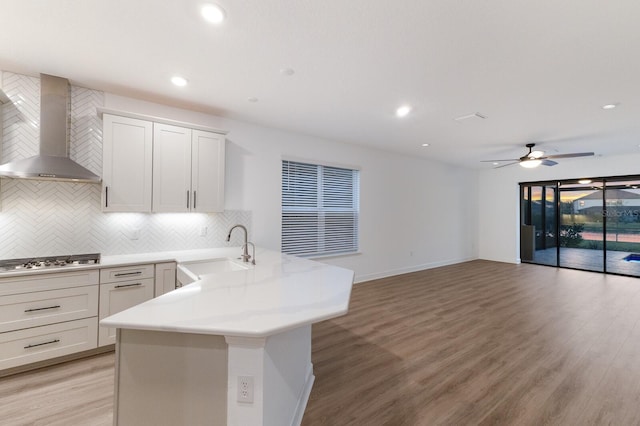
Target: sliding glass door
(589, 224)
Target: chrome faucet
(245, 248)
(253, 246)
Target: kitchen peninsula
(231, 348)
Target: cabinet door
(116, 297)
(165, 278)
(126, 164)
(171, 168)
(207, 171)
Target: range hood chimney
(53, 162)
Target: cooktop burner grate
(48, 262)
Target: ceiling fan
(535, 158)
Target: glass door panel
(581, 226)
(622, 215)
(538, 234)
(546, 247)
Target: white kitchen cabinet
(161, 165)
(27, 310)
(116, 297)
(207, 171)
(44, 316)
(165, 280)
(127, 164)
(171, 169)
(126, 273)
(120, 289)
(188, 170)
(50, 341)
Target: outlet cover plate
(245, 389)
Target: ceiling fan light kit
(530, 163)
(533, 159)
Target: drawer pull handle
(42, 309)
(128, 285)
(42, 344)
(128, 274)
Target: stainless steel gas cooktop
(48, 262)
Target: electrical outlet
(203, 231)
(245, 389)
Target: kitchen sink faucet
(245, 248)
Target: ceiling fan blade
(575, 154)
(494, 161)
(508, 164)
(548, 163)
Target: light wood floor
(476, 343)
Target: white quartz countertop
(134, 259)
(279, 293)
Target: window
(319, 209)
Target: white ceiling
(538, 70)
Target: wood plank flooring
(476, 343)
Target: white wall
(499, 211)
(415, 213)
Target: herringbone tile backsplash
(40, 218)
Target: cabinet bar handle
(106, 196)
(194, 199)
(127, 274)
(128, 285)
(187, 199)
(42, 344)
(42, 309)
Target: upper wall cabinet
(126, 164)
(152, 166)
(207, 171)
(188, 170)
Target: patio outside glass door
(622, 215)
(581, 233)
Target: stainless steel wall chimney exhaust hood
(53, 162)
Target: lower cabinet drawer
(26, 310)
(49, 341)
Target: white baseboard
(368, 277)
(304, 398)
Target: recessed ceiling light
(609, 106)
(584, 181)
(212, 13)
(252, 99)
(496, 163)
(425, 144)
(179, 81)
(403, 111)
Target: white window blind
(319, 209)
